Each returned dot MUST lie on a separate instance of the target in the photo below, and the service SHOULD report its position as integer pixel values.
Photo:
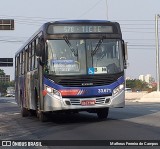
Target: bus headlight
(51, 90)
(118, 89)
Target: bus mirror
(39, 50)
(40, 61)
(125, 64)
(125, 54)
(125, 51)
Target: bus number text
(106, 90)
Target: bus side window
(23, 59)
(26, 60)
(33, 53)
(27, 50)
(30, 58)
(21, 63)
(36, 44)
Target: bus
(71, 66)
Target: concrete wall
(134, 95)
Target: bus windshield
(84, 56)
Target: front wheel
(102, 113)
(42, 116)
(24, 111)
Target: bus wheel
(32, 112)
(102, 113)
(24, 111)
(42, 116)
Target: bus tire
(102, 113)
(24, 111)
(32, 112)
(42, 116)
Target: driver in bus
(104, 58)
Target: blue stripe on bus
(88, 91)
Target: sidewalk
(143, 96)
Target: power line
(84, 13)
(14, 41)
(137, 24)
(30, 18)
(13, 37)
(38, 20)
(139, 45)
(135, 20)
(136, 28)
(139, 32)
(140, 39)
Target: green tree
(137, 85)
(2, 72)
(4, 85)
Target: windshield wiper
(75, 51)
(97, 46)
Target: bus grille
(84, 81)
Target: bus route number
(69, 29)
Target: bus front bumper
(55, 103)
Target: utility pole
(157, 51)
(107, 9)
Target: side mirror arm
(125, 53)
(40, 61)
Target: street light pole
(107, 9)
(157, 51)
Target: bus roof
(45, 25)
(81, 21)
(78, 22)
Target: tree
(4, 85)
(137, 85)
(2, 72)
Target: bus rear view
(80, 67)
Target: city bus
(71, 66)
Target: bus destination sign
(63, 29)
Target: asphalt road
(137, 121)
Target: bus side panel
(118, 101)
(30, 89)
(36, 90)
(17, 99)
(21, 91)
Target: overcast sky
(136, 17)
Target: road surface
(137, 121)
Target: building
(4, 78)
(142, 77)
(146, 78)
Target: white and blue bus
(71, 66)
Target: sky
(136, 18)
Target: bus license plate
(87, 102)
